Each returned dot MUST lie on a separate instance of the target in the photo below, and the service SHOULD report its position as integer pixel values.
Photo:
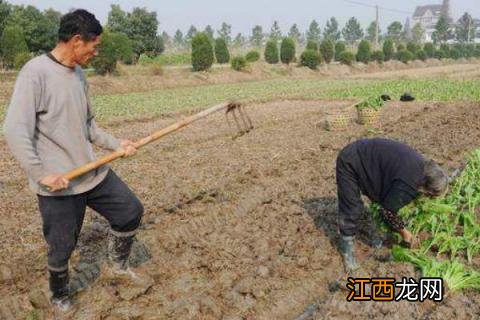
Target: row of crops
(450, 231)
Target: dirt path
(240, 229)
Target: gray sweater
(50, 128)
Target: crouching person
(50, 130)
(387, 172)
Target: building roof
(435, 8)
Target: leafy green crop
(374, 103)
(453, 231)
(112, 107)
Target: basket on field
(338, 122)
(368, 116)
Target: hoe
(233, 108)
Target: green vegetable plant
(374, 103)
(452, 231)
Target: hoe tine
(243, 126)
(231, 109)
(245, 118)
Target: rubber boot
(59, 286)
(118, 270)
(119, 249)
(346, 249)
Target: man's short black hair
(79, 22)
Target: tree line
(26, 31)
(463, 31)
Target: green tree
(421, 55)
(21, 59)
(339, 48)
(364, 52)
(257, 36)
(405, 56)
(347, 58)
(394, 31)
(167, 40)
(209, 32)
(13, 43)
(371, 32)
(40, 33)
(271, 52)
(192, 31)
(378, 56)
(178, 38)
(312, 45)
(239, 41)
(221, 51)
(413, 47)
(238, 63)
(327, 50)
(407, 31)
(202, 52)
(313, 32)
(418, 33)
(310, 59)
(106, 61)
(287, 50)
(225, 33)
(465, 29)
(117, 20)
(142, 30)
(295, 34)
(123, 47)
(388, 49)
(429, 49)
(331, 30)
(352, 32)
(442, 31)
(275, 32)
(5, 11)
(156, 47)
(52, 21)
(252, 56)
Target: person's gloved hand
(346, 249)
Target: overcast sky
(244, 14)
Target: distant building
(429, 15)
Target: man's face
(86, 50)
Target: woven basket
(338, 122)
(368, 116)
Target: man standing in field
(388, 172)
(50, 130)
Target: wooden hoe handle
(140, 143)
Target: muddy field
(234, 229)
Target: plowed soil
(235, 229)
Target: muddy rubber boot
(59, 286)
(119, 249)
(346, 249)
(130, 283)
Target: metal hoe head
(242, 120)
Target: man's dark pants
(350, 204)
(63, 216)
